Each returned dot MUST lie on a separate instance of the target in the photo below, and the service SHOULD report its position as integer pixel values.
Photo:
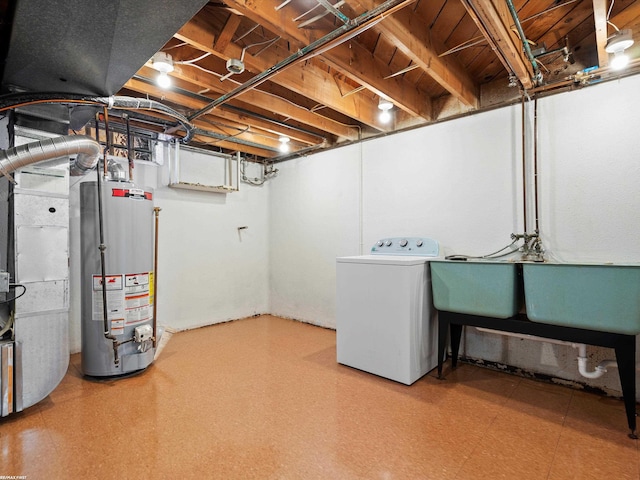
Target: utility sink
(488, 288)
(593, 297)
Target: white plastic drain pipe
(600, 370)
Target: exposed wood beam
(257, 98)
(494, 19)
(227, 33)
(406, 30)
(600, 19)
(198, 33)
(315, 82)
(206, 140)
(193, 103)
(228, 145)
(227, 130)
(293, 133)
(351, 58)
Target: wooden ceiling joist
(494, 21)
(251, 134)
(320, 84)
(406, 31)
(269, 103)
(600, 19)
(312, 81)
(225, 37)
(349, 58)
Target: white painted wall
(208, 272)
(314, 214)
(455, 182)
(590, 171)
(460, 183)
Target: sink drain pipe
(599, 371)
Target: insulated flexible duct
(86, 148)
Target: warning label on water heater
(128, 300)
(115, 302)
(137, 299)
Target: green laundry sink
(593, 297)
(477, 287)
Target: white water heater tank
(128, 238)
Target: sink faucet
(532, 248)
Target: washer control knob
(388, 243)
(380, 243)
(419, 243)
(403, 242)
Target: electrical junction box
(4, 282)
(143, 333)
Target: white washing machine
(385, 320)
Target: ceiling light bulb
(162, 62)
(163, 80)
(619, 41)
(284, 143)
(385, 116)
(619, 61)
(385, 105)
(617, 44)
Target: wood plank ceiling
(315, 70)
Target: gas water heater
(124, 278)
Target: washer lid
(385, 260)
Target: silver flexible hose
(86, 149)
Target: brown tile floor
(264, 398)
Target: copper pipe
(524, 167)
(107, 148)
(535, 160)
(156, 211)
(129, 148)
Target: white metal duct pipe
(86, 149)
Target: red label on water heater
(131, 193)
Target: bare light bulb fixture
(617, 44)
(385, 107)
(163, 63)
(284, 144)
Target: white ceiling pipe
(86, 149)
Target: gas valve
(144, 336)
